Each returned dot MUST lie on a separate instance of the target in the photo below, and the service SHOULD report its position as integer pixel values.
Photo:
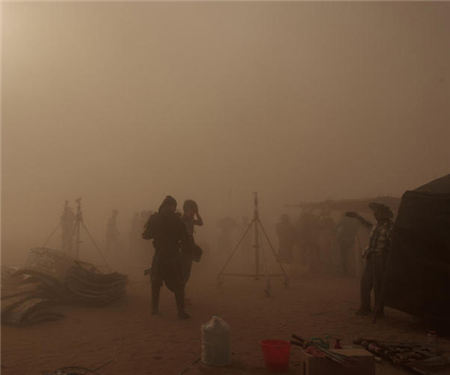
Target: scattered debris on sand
(50, 278)
(417, 358)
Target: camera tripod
(76, 234)
(260, 261)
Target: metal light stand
(257, 229)
(77, 228)
(79, 223)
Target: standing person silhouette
(376, 255)
(191, 217)
(112, 233)
(169, 234)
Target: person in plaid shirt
(375, 255)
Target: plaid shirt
(380, 238)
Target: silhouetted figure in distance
(67, 228)
(112, 233)
(376, 255)
(168, 232)
(286, 239)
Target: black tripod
(76, 237)
(260, 263)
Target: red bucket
(276, 354)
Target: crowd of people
(315, 240)
(319, 243)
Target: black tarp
(418, 269)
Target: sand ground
(138, 343)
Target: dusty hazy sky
(124, 103)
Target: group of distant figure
(114, 244)
(319, 243)
(68, 222)
(315, 241)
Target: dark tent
(438, 186)
(418, 269)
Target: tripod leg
(234, 250)
(95, 244)
(51, 235)
(265, 270)
(286, 278)
(268, 289)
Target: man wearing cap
(375, 254)
(169, 233)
